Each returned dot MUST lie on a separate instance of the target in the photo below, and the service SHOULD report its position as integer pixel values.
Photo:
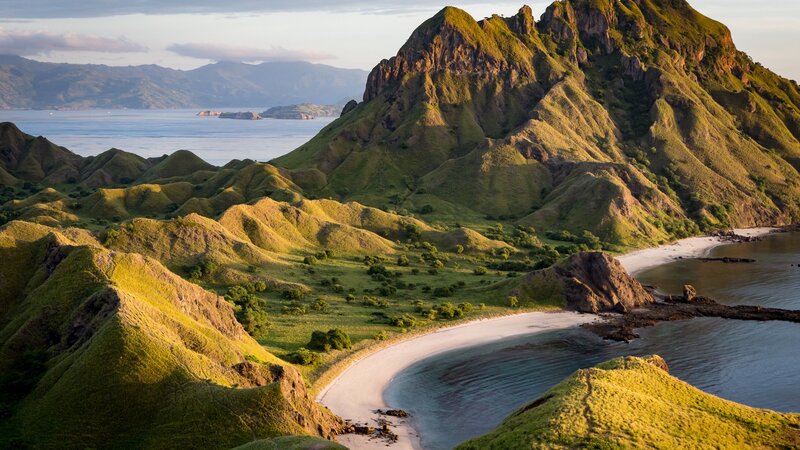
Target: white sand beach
(358, 391)
(693, 247)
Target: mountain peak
(455, 42)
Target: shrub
(427, 209)
(320, 305)
(304, 357)
(335, 339)
(459, 249)
(381, 336)
(292, 294)
(254, 320)
(402, 261)
(294, 309)
(204, 269)
(310, 260)
(444, 291)
(512, 301)
(404, 321)
(480, 271)
(375, 302)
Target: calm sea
(466, 393)
(158, 132)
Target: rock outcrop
(589, 282)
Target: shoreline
(693, 247)
(359, 389)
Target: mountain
(28, 84)
(638, 120)
(105, 349)
(633, 402)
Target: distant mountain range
(28, 84)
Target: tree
(334, 339)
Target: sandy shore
(694, 247)
(358, 391)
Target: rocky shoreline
(622, 327)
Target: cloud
(28, 43)
(102, 8)
(222, 52)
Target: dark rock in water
(689, 293)
(351, 105)
(249, 115)
(393, 412)
(728, 259)
(621, 327)
(590, 282)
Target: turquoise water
(151, 133)
(466, 393)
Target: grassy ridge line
(633, 402)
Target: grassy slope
(119, 334)
(700, 132)
(634, 403)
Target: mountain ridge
(29, 84)
(667, 132)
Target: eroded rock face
(590, 282)
(596, 282)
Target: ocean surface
(151, 133)
(466, 393)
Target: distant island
(248, 115)
(302, 111)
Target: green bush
(320, 305)
(304, 357)
(480, 271)
(292, 294)
(335, 339)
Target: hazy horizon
(342, 33)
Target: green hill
(634, 403)
(637, 120)
(24, 158)
(105, 349)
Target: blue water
(158, 132)
(466, 393)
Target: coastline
(357, 391)
(693, 247)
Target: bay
(463, 394)
(153, 133)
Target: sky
(185, 34)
